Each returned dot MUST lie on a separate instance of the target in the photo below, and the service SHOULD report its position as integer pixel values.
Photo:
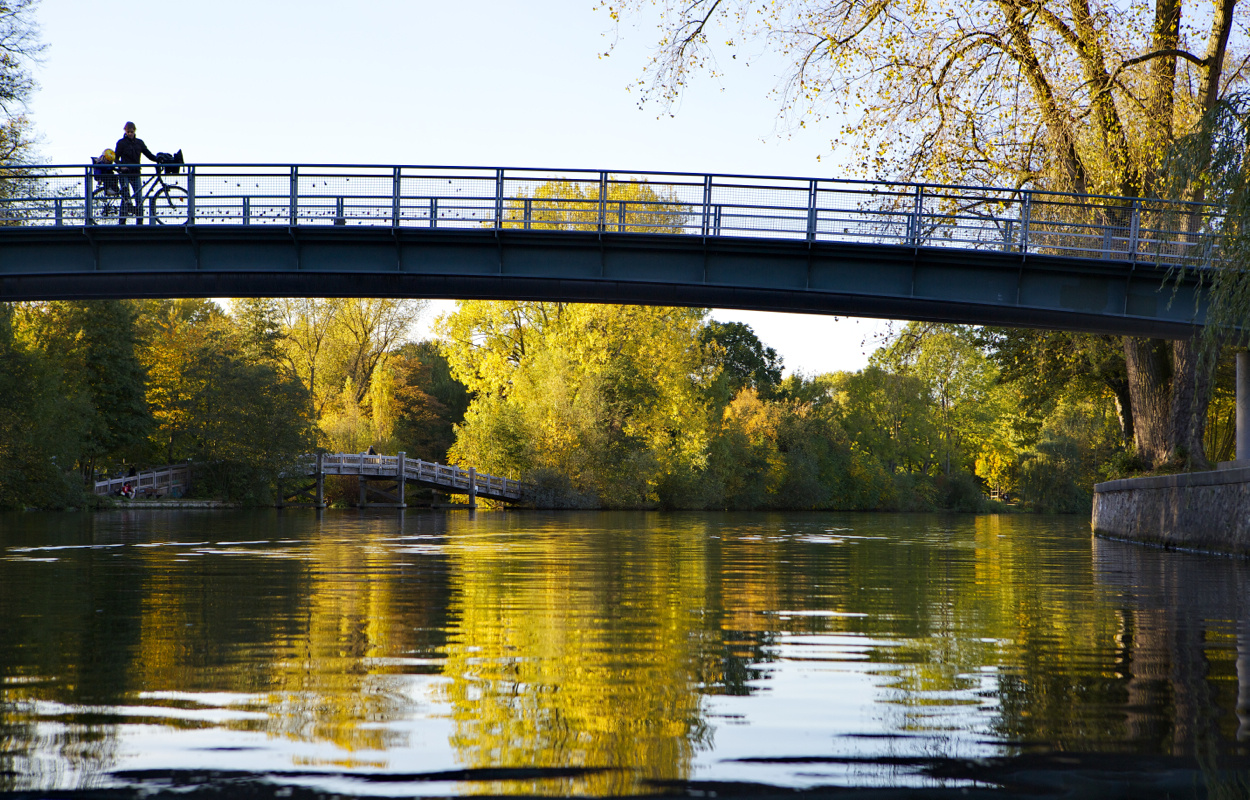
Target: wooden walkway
(168, 481)
(378, 477)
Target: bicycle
(167, 202)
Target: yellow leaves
(947, 89)
(336, 347)
(626, 205)
(519, 635)
(607, 395)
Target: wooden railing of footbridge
(173, 480)
(167, 481)
(452, 479)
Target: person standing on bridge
(129, 150)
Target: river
(457, 653)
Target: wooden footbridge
(382, 480)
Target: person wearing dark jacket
(129, 150)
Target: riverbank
(161, 505)
(1194, 510)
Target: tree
(338, 347)
(258, 323)
(890, 416)
(798, 457)
(95, 343)
(365, 333)
(40, 426)
(306, 324)
(1214, 158)
(485, 341)
(1044, 364)
(173, 332)
(221, 398)
(1083, 96)
(958, 379)
(744, 361)
(610, 398)
(428, 402)
(1079, 96)
(626, 205)
(245, 448)
(20, 48)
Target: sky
(483, 83)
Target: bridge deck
(949, 253)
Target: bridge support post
(400, 481)
(472, 487)
(321, 482)
(1243, 406)
(360, 484)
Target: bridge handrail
(415, 469)
(146, 481)
(677, 203)
(174, 475)
(910, 185)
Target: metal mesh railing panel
(974, 218)
(244, 197)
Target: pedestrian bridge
(942, 253)
(377, 476)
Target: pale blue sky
(489, 82)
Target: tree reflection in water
(637, 646)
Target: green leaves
(610, 396)
(221, 397)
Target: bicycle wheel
(168, 206)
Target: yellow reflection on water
(556, 660)
(600, 641)
(310, 673)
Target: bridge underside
(985, 287)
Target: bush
(914, 492)
(1123, 464)
(1049, 478)
(959, 492)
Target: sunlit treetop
(1083, 96)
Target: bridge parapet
(449, 478)
(683, 204)
(173, 479)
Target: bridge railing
(680, 204)
(158, 482)
(173, 479)
(452, 477)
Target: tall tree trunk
(1124, 410)
(1191, 394)
(1149, 366)
(1169, 396)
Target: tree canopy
(1087, 96)
(1083, 96)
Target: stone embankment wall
(1198, 510)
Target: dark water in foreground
(614, 653)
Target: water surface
(612, 653)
